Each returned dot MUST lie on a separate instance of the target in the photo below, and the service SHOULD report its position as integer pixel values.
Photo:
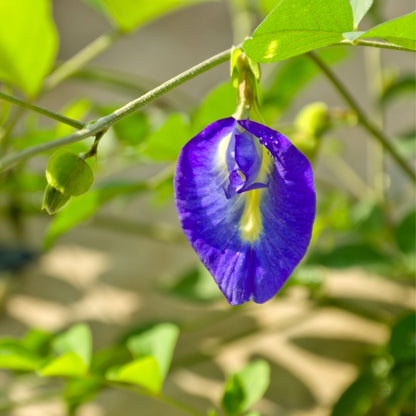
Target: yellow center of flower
(250, 222)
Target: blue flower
(246, 202)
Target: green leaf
(26, 182)
(333, 213)
(158, 342)
(113, 356)
(33, 138)
(405, 233)
(133, 129)
(404, 85)
(357, 399)
(74, 349)
(369, 220)
(130, 14)
(406, 143)
(163, 192)
(219, 103)
(67, 365)
(69, 174)
(402, 343)
(143, 372)
(246, 387)
(359, 9)
(77, 110)
(195, 285)
(403, 397)
(295, 27)
(28, 43)
(350, 255)
(166, 143)
(38, 341)
(76, 339)
(311, 277)
(85, 206)
(15, 356)
(400, 31)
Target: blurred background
(128, 264)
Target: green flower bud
(69, 174)
(313, 119)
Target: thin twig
(132, 84)
(47, 113)
(105, 122)
(362, 117)
(5, 133)
(79, 60)
(381, 44)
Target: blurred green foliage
(355, 227)
(27, 51)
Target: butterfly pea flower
(246, 202)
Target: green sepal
(235, 54)
(244, 388)
(239, 65)
(54, 200)
(245, 76)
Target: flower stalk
(244, 79)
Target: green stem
(380, 44)
(241, 19)
(94, 148)
(132, 84)
(5, 133)
(79, 60)
(375, 156)
(41, 110)
(362, 117)
(355, 185)
(105, 122)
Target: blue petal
(252, 240)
